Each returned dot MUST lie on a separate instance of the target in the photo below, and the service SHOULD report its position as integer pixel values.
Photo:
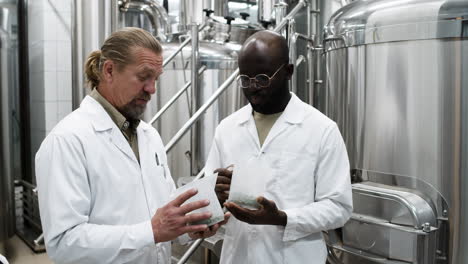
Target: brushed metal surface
(395, 82)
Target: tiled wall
(49, 33)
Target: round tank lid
(377, 21)
(212, 54)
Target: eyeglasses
(261, 80)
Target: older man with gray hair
(103, 180)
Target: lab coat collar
(293, 113)
(101, 121)
(100, 118)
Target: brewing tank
(395, 82)
(220, 60)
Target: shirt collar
(293, 113)
(119, 119)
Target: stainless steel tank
(325, 10)
(220, 61)
(234, 30)
(92, 22)
(396, 84)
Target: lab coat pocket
(295, 178)
(160, 187)
(311, 249)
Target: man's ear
(289, 71)
(108, 70)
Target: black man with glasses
(306, 183)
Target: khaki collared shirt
(264, 123)
(128, 127)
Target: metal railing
(175, 97)
(187, 85)
(197, 115)
(181, 46)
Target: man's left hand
(210, 231)
(268, 214)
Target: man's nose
(150, 87)
(253, 84)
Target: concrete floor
(17, 252)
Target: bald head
(266, 47)
(266, 53)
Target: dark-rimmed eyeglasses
(260, 80)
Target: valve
(244, 15)
(229, 19)
(208, 12)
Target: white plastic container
(248, 182)
(206, 190)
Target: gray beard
(132, 111)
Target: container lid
(378, 21)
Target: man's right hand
(171, 220)
(223, 183)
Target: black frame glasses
(261, 80)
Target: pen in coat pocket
(157, 158)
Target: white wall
(49, 33)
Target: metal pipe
(169, 59)
(7, 201)
(314, 62)
(265, 10)
(280, 13)
(195, 98)
(183, 16)
(156, 13)
(190, 251)
(296, 9)
(293, 52)
(310, 73)
(32, 222)
(39, 239)
(300, 60)
(24, 91)
(174, 98)
(223, 87)
(306, 38)
(194, 63)
(78, 87)
(310, 55)
(29, 185)
(179, 49)
(220, 7)
(201, 111)
(114, 16)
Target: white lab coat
(95, 200)
(310, 182)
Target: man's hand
(171, 220)
(211, 230)
(223, 183)
(268, 214)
